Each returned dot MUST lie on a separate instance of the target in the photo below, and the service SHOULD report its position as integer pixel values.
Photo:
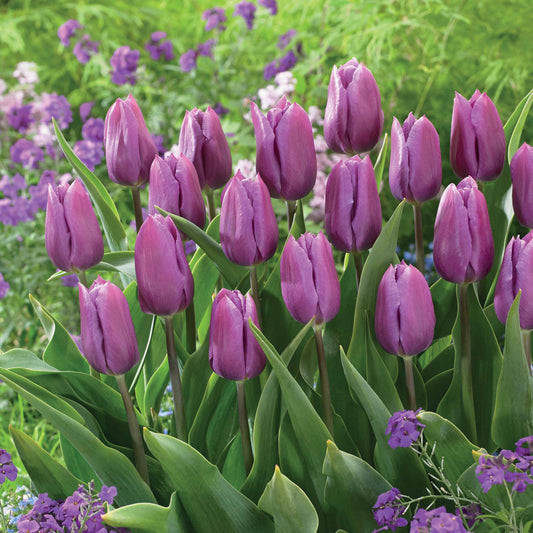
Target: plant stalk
(211, 210)
(243, 424)
(419, 238)
(358, 260)
(254, 286)
(137, 208)
(410, 382)
(526, 340)
(190, 326)
(291, 210)
(327, 414)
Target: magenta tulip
(522, 178)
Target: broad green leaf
(445, 305)
(205, 274)
(155, 390)
(194, 379)
(379, 167)
(24, 359)
(123, 262)
(514, 126)
(437, 386)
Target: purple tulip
(129, 147)
(234, 352)
(463, 248)
(354, 119)
(286, 157)
(204, 143)
(522, 178)
(415, 171)
(174, 187)
(164, 279)
(353, 210)
(248, 227)
(72, 235)
(405, 318)
(516, 274)
(107, 332)
(309, 283)
(477, 141)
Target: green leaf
(123, 262)
(379, 167)
(516, 123)
(194, 379)
(445, 305)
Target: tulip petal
(57, 235)
(463, 156)
(387, 322)
(254, 357)
(522, 177)
(191, 142)
(399, 164)
(216, 155)
(336, 114)
(504, 293)
(164, 190)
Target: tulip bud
(405, 318)
(174, 187)
(234, 352)
(107, 332)
(248, 227)
(516, 274)
(415, 171)
(164, 279)
(522, 178)
(129, 147)
(354, 119)
(204, 143)
(477, 141)
(353, 210)
(309, 283)
(286, 157)
(463, 248)
(72, 235)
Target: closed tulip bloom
(286, 156)
(353, 210)
(72, 235)
(129, 147)
(174, 187)
(234, 352)
(164, 279)
(405, 318)
(204, 143)
(477, 141)
(516, 274)
(463, 247)
(354, 119)
(248, 227)
(522, 178)
(309, 283)
(107, 332)
(415, 171)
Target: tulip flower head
(522, 178)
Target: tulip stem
(327, 414)
(175, 381)
(137, 208)
(190, 325)
(291, 210)
(136, 439)
(526, 340)
(410, 381)
(211, 210)
(254, 286)
(419, 238)
(358, 260)
(243, 424)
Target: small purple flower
(388, 510)
(220, 110)
(85, 110)
(287, 61)
(524, 446)
(124, 62)
(437, 521)
(214, 19)
(4, 286)
(158, 141)
(157, 48)
(285, 39)
(58, 107)
(107, 494)
(206, 49)
(404, 428)
(7, 468)
(26, 153)
(520, 480)
(28, 526)
(90, 153)
(71, 280)
(84, 49)
(270, 5)
(20, 118)
(490, 471)
(270, 70)
(470, 513)
(246, 10)
(93, 130)
(67, 30)
(188, 60)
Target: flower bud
(72, 235)
(248, 227)
(174, 187)
(234, 352)
(353, 210)
(522, 178)
(354, 119)
(405, 318)
(463, 248)
(107, 332)
(309, 283)
(516, 274)
(164, 279)
(204, 143)
(415, 171)
(129, 147)
(477, 140)
(286, 157)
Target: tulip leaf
(379, 167)
(210, 502)
(205, 274)
(123, 262)
(515, 124)
(106, 209)
(194, 380)
(445, 305)
(437, 385)
(155, 389)
(513, 411)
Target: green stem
(358, 260)
(419, 238)
(254, 289)
(190, 326)
(243, 424)
(291, 210)
(327, 414)
(410, 382)
(137, 208)
(136, 439)
(175, 381)
(526, 340)
(211, 210)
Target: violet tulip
(477, 140)
(204, 143)
(463, 247)
(405, 318)
(286, 157)
(174, 187)
(248, 227)
(415, 171)
(353, 210)
(309, 283)
(234, 352)
(129, 147)
(164, 279)
(107, 332)
(72, 235)
(354, 119)
(522, 178)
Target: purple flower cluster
(215, 18)
(436, 521)
(188, 59)
(7, 468)
(91, 149)
(246, 10)
(84, 47)
(388, 511)
(56, 106)
(403, 428)
(280, 65)
(285, 39)
(124, 62)
(4, 286)
(20, 117)
(26, 153)
(271, 5)
(157, 47)
(67, 30)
